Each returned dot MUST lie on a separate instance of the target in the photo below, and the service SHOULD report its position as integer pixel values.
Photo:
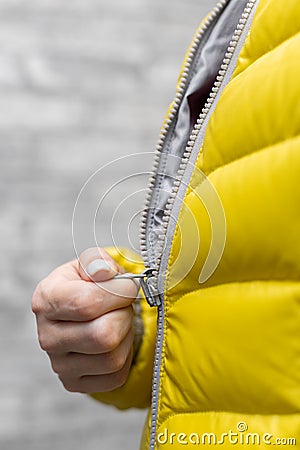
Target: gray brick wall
(81, 83)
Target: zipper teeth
(165, 130)
(191, 143)
(155, 380)
(197, 127)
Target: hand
(86, 327)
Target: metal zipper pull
(150, 292)
(146, 280)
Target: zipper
(149, 279)
(146, 277)
(154, 299)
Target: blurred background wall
(81, 82)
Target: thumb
(95, 264)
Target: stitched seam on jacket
(208, 412)
(262, 281)
(210, 170)
(262, 150)
(264, 54)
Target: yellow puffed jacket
(221, 240)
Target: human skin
(85, 322)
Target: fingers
(87, 328)
(89, 384)
(95, 264)
(100, 372)
(101, 335)
(76, 365)
(80, 301)
(66, 295)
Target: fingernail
(97, 265)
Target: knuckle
(120, 378)
(83, 304)
(58, 366)
(45, 289)
(43, 299)
(70, 385)
(46, 343)
(83, 389)
(36, 304)
(106, 335)
(35, 307)
(116, 360)
(75, 384)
